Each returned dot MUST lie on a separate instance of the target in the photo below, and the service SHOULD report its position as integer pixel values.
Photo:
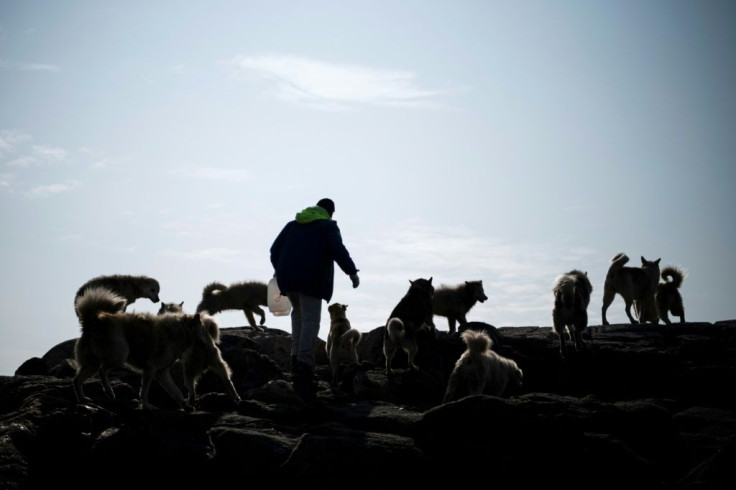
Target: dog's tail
(97, 300)
(210, 289)
(477, 342)
(673, 275)
(350, 338)
(395, 329)
(617, 262)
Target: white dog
(479, 370)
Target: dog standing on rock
(632, 283)
(412, 314)
(454, 302)
(247, 296)
(572, 296)
(150, 344)
(195, 362)
(342, 341)
(479, 370)
(129, 287)
(669, 299)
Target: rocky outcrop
(648, 406)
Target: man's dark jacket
(304, 253)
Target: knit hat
(327, 204)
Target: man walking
(303, 256)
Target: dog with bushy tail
(669, 299)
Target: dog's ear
(657, 261)
(430, 280)
(643, 260)
(344, 307)
(181, 304)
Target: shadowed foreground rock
(648, 406)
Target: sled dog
(128, 287)
(572, 296)
(171, 308)
(247, 296)
(412, 314)
(454, 302)
(669, 299)
(342, 341)
(148, 343)
(479, 370)
(632, 283)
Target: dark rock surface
(646, 406)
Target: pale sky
(507, 142)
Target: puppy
(632, 283)
(479, 370)
(454, 302)
(669, 299)
(128, 287)
(572, 296)
(412, 314)
(342, 341)
(148, 343)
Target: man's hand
(355, 279)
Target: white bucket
(278, 304)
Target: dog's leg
(608, 296)
(163, 376)
(84, 373)
(192, 371)
(104, 378)
(629, 303)
(389, 350)
(261, 313)
(451, 323)
(250, 318)
(411, 351)
(217, 365)
(146, 379)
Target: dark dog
(572, 296)
(247, 296)
(129, 287)
(669, 299)
(632, 283)
(412, 314)
(454, 302)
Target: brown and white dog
(148, 343)
(572, 296)
(342, 342)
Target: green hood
(312, 214)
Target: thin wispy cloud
(19, 66)
(214, 173)
(332, 86)
(10, 139)
(43, 191)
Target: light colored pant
(306, 312)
